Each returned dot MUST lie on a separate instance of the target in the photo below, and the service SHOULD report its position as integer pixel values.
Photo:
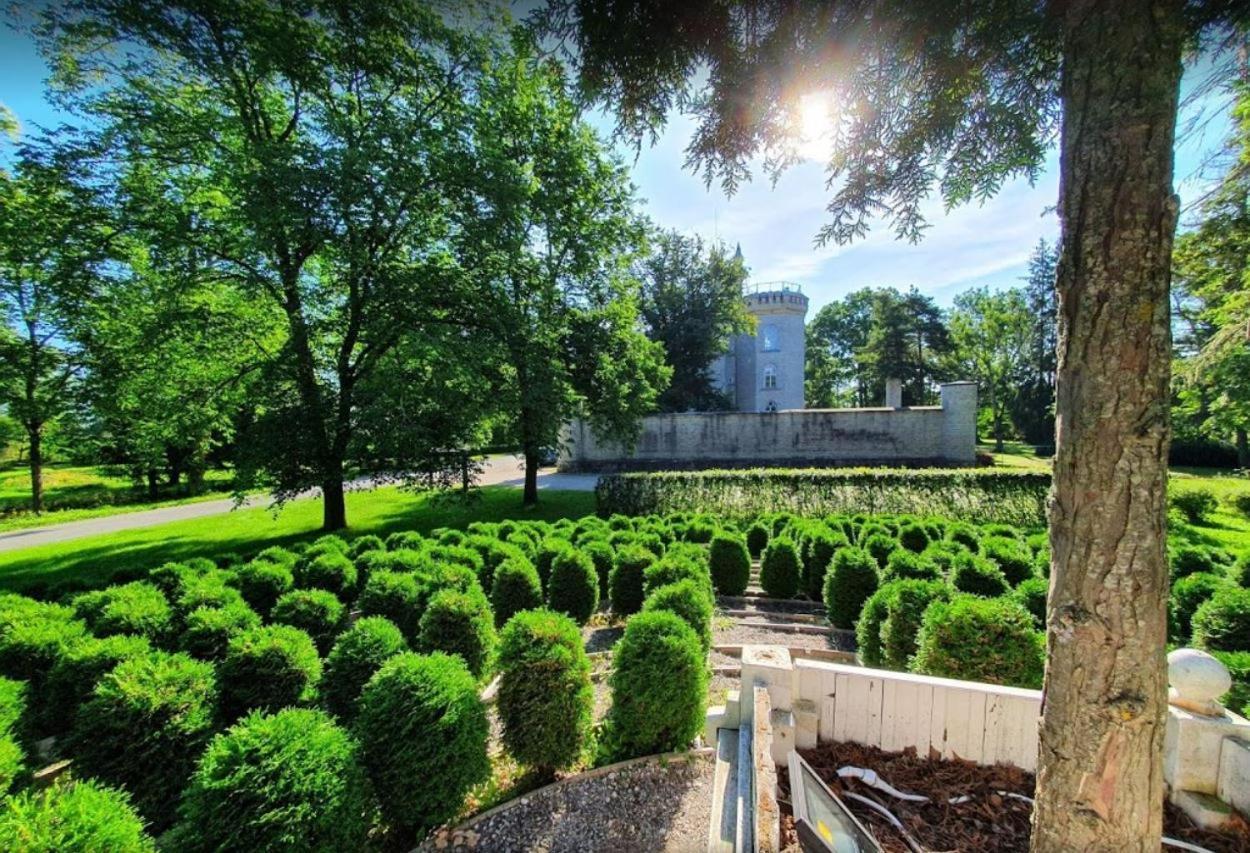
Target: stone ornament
(1197, 680)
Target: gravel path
(741, 635)
(646, 807)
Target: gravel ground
(647, 807)
(601, 638)
(741, 635)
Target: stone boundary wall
(917, 435)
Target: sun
(815, 125)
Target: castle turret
(769, 364)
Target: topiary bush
(674, 567)
(73, 816)
(33, 636)
(905, 607)
(285, 781)
(1196, 505)
(977, 575)
(76, 672)
(817, 550)
(172, 578)
(397, 596)
(362, 544)
(145, 724)
(851, 581)
(262, 582)
(758, 535)
(868, 628)
(688, 600)
(461, 624)
(626, 580)
(1237, 699)
(881, 546)
(1187, 595)
(780, 571)
(914, 537)
(573, 588)
(12, 762)
(516, 588)
(331, 571)
(206, 589)
(208, 630)
(659, 686)
(1013, 557)
(729, 561)
(358, 653)
(603, 556)
(980, 639)
(423, 731)
(1186, 560)
(317, 611)
(1031, 595)
(545, 697)
(550, 548)
(903, 564)
(134, 608)
(1222, 622)
(268, 668)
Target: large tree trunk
(530, 494)
(333, 504)
(1100, 775)
(34, 435)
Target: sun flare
(815, 125)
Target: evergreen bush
(729, 561)
(134, 608)
(573, 588)
(780, 572)
(359, 652)
(1190, 559)
(550, 548)
(674, 567)
(626, 580)
(978, 575)
(1031, 595)
(545, 696)
(1222, 622)
(1196, 505)
(208, 630)
(689, 600)
(397, 596)
(461, 624)
(262, 582)
(516, 588)
(423, 732)
(903, 564)
(603, 556)
(331, 571)
(905, 607)
(363, 544)
(1012, 556)
(317, 611)
(81, 815)
(286, 781)
(880, 546)
(850, 582)
(980, 639)
(914, 537)
(817, 550)
(75, 674)
(268, 668)
(1188, 594)
(758, 535)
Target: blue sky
(972, 245)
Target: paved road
(499, 471)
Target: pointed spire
(738, 253)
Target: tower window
(770, 377)
(772, 341)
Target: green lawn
(74, 493)
(91, 560)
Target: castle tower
(768, 365)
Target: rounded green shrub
(851, 581)
(1190, 559)
(980, 639)
(659, 686)
(1237, 699)
(12, 762)
(550, 548)
(134, 608)
(914, 537)
(966, 535)
(493, 552)
(516, 588)
(573, 588)
(277, 555)
(286, 781)
(171, 578)
(317, 611)
(33, 637)
(461, 624)
(359, 652)
(145, 724)
(1196, 505)
(545, 698)
(1239, 571)
(816, 552)
(626, 580)
(729, 561)
(1222, 622)
(780, 571)
(208, 630)
(206, 589)
(73, 816)
(881, 546)
(76, 672)
(603, 556)
(331, 571)
(675, 567)
(409, 540)
(1188, 594)
(262, 582)
(13, 704)
(423, 731)
(758, 535)
(361, 544)
(689, 600)
(1013, 558)
(977, 575)
(268, 668)
(397, 596)
(905, 607)
(903, 564)
(1031, 595)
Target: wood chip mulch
(987, 823)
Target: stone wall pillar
(894, 393)
(959, 422)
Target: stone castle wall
(923, 435)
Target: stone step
(722, 834)
(770, 614)
(771, 624)
(730, 650)
(762, 602)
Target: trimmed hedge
(626, 580)
(331, 571)
(1190, 559)
(603, 556)
(146, 723)
(573, 588)
(1013, 557)
(546, 701)
(73, 816)
(359, 652)
(134, 608)
(1222, 623)
(422, 731)
(980, 495)
(780, 570)
(1187, 595)
(659, 687)
(905, 606)
(1031, 595)
(850, 581)
(461, 624)
(208, 630)
(268, 668)
(317, 611)
(516, 587)
(978, 576)
(262, 583)
(980, 639)
(729, 561)
(689, 600)
(758, 535)
(287, 781)
(550, 548)
(397, 596)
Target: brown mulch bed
(987, 823)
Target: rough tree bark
(1100, 779)
(34, 436)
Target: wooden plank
(872, 736)
(937, 721)
(851, 721)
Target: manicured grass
(92, 560)
(74, 493)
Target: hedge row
(975, 495)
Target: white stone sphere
(1197, 676)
